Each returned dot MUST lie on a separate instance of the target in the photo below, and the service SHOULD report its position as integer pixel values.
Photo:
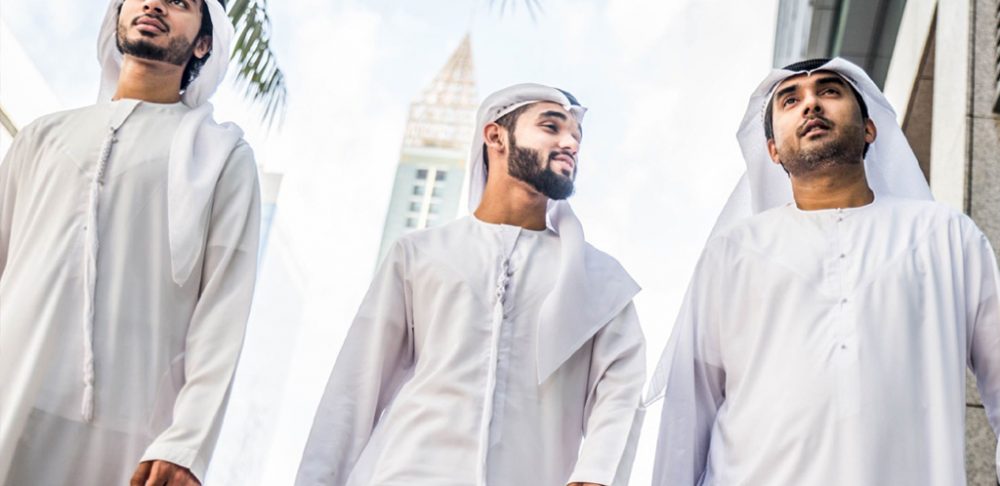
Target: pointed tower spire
(443, 115)
(431, 170)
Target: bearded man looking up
(128, 249)
(487, 348)
(826, 332)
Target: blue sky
(666, 83)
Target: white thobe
(829, 348)
(164, 353)
(437, 385)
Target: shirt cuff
(183, 457)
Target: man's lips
(566, 159)
(813, 125)
(148, 21)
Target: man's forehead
(808, 77)
(550, 109)
(537, 109)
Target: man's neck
(152, 81)
(838, 187)
(512, 202)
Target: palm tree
(259, 74)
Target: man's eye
(830, 91)
(181, 3)
(788, 101)
(551, 127)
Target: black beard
(177, 52)
(844, 149)
(525, 165)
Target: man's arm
(8, 191)
(373, 363)
(215, 333)
(691, 379)
(612, 411)
(983, 289)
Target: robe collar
(200, 147)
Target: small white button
(843, 301)
(842, 255)
(843, 346)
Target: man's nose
(811, 104)
(570, 144)
(153, 6)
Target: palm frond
(259, 74)
(534, 6)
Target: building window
(418, 190)
(422, 174)
(415, 207)
(411, 222)
(436, 192)
(440, 176)
(434, 209)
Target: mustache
(158, 18)
(823, 122)
(555, 153)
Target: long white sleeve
(215, 334)
(692, 372)
(613, 411)
(369, 370)
(983, 292)
(8, 192)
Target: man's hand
(162, 473)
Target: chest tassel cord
(91, 245)
(501, 292)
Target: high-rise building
(431, 169)
(947, 104)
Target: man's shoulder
(929, 213)
(52, 122)
(451, 232)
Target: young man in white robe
(488, 348)
(826, 332)
(128, 246)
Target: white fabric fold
(200, 147)
(891, 167)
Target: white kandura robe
(164, 354)
(829, 348)
(427, 391)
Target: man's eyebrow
(831, 80)
(553, 114)
(786, 90)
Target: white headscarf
(200, 146)
(890, 166)
(591, 288)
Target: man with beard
(487, 348)
(826, 331)
(128, 246)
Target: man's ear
(870, 131)
(772, 150)
(495, 137)
(202, 46)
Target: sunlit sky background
(666, 82)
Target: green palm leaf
(259, 75)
